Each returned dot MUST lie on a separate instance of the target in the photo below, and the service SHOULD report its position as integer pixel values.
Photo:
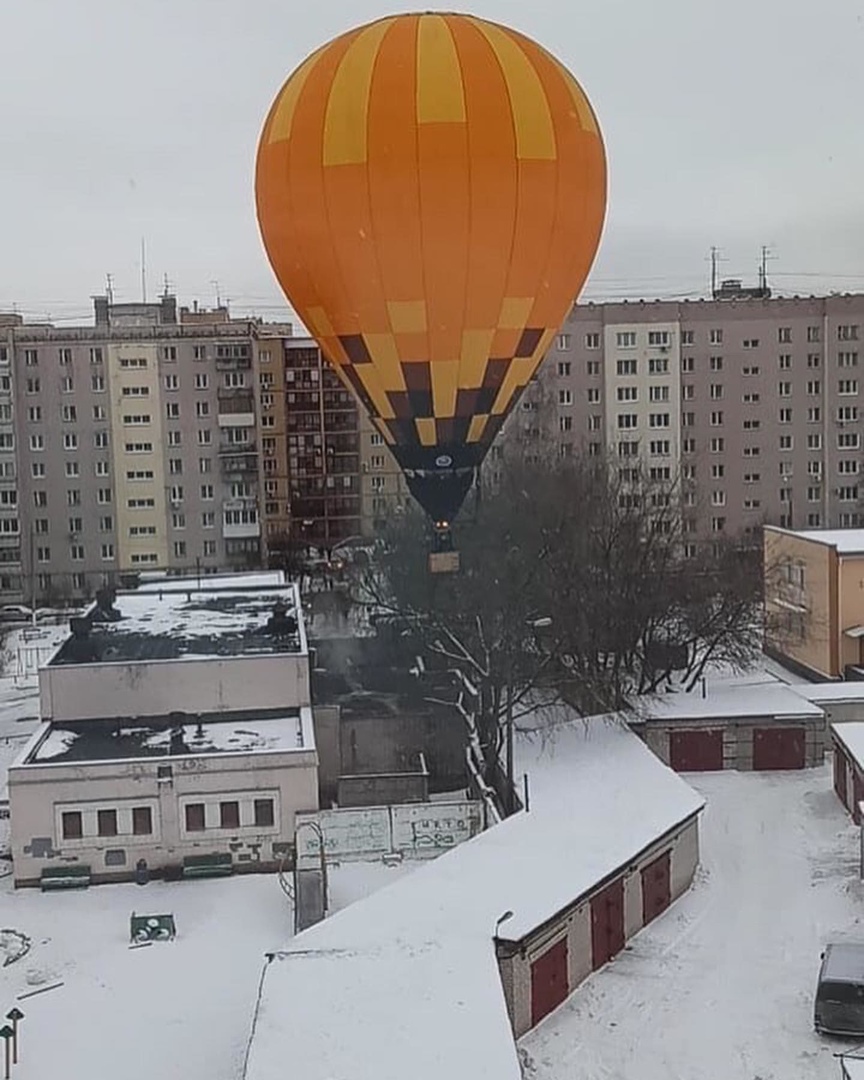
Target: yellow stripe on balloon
(440, 94)
(286, 104)
(476, 428)
(532, 120)
(347, 106)
(426, 429)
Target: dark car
(839, 1005)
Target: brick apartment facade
(187, 440)
(755, 403)
(132, 445)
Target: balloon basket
(444, 562)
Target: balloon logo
(431, 191)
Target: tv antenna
(109, 287)
(143, 272)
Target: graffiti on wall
(414, 832)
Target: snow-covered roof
(167, 737)
(417, 957)
(846, 541)
(831, 691)
(851, 735)
(174, 618)
(761, 697)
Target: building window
(263, 813)
(687, 365)
(623, 393)
(565, 397)
(195, 821)
(106, 822)
(592, 341)
(169, 352)
(142, 820)
(715, 337)
(626, 339)
(625, 367)
(73, 825)
(563, 341)
(814, 360)
(592, 367)
(229, 815)
(563, 368)
(847, 333)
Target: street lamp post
(14, 1015)
(6, 1034)
(542, 622)
(498, 923)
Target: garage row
(760, 725)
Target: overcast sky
(735, 122)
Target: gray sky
(735, 123)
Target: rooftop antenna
(765, 256)
(166, 289)
(143, 272)
(215, 285)
(715, 259)
(109, 287)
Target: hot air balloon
(431, 191)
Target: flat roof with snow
(845, 541)
(176, 618)
(851, 735)
(830, 691)
(171, 736)
(737, 700)
(405, 983)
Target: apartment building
(310, 432)
(754, 403)
(130, 444)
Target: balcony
(235, 465)
(238, 448)
(245, 531)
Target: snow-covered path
(721, 986)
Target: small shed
(761, 725)
(848, 743)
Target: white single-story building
(746, 723)
(477, 946)
(177, 737)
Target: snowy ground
(176, 1010)
(722, 985)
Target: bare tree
(575, 584)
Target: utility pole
(764, 258)
(143, 272)
(715, 255)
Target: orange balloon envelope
(431, 191)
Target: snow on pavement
(178, 1010)
(722, 984)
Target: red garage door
(607, 923)
(840, 774)
(778, 748)
(656, 887)
(696, 751)
(857, 796)
(549, 984)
